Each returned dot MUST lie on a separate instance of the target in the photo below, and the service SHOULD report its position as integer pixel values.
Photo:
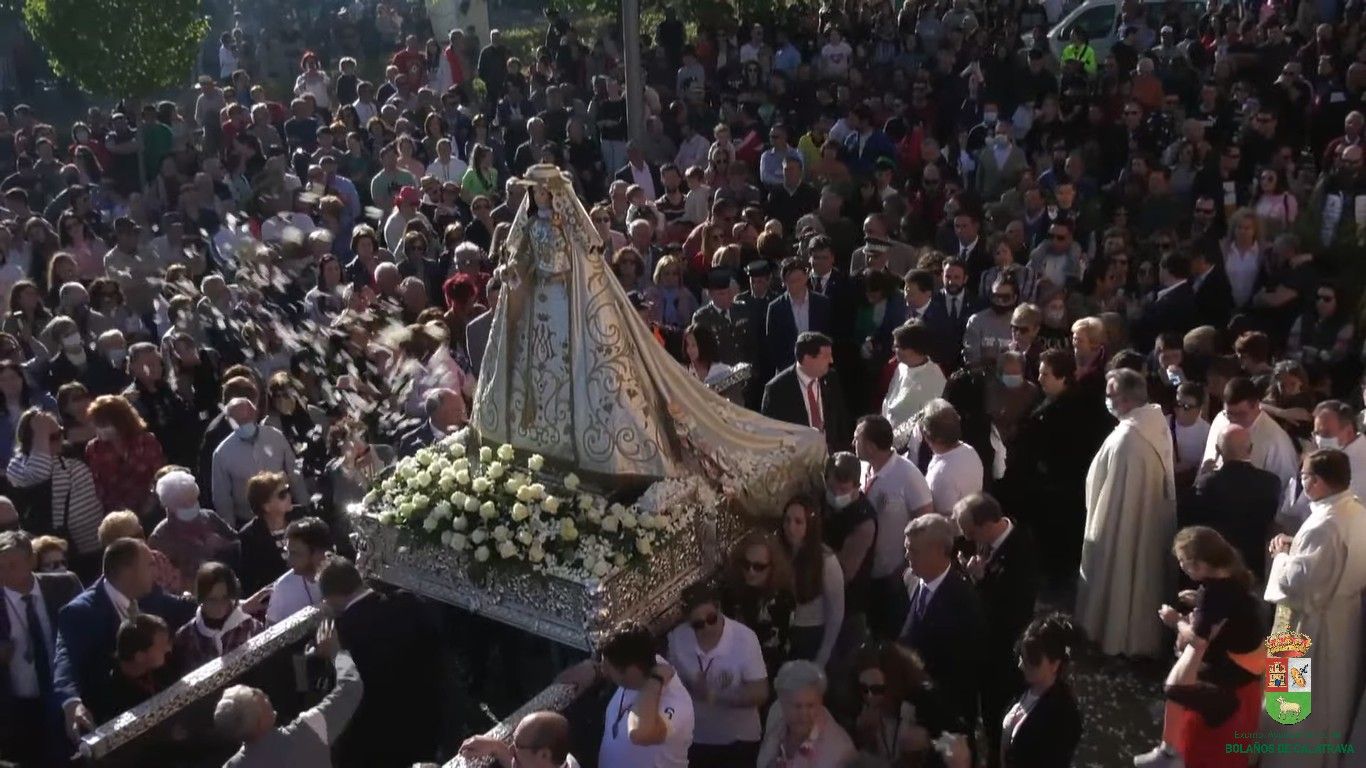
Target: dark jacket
(262, 560)
(86, 628)
(1172, 312)
(780, 327)
(948, 637)
(1050, 732)
(1239, 501)
(784, 400)
(57, 589)
(393, 644)
(1214, 297)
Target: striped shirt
(75, 507)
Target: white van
(1098, 19)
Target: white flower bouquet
(490, 504)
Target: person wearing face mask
(1010, 396)
(849, 530)
(1334, 429)
(190, 536)
(987, 332)
(1000, 163)
(1130, 519)
(124, 456)
(250, 449)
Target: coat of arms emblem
(1288, 677)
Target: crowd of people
(1076, 321)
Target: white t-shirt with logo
(736, 659)
(618, 751)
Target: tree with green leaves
(119, 48)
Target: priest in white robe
(917, 379)
(1130, 521)
(1272, 448)
(1317, 579)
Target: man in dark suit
(795, 312)
(753, 304)
(956, 305)
(866, 144)
(1238, 500)
(1173, 311)
(393, 644)
(803, 393)
(966, 243)
(445, 410)
(1213, 293)
(637, 171)
(88, 626)
(1004, 567)
(922, 304)
(945, 625)
(30, 731)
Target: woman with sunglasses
(1274, 205)
(720, 663)
(817, 583)
(263, 537)
(1190, 431)
(757, 590)
(898, 712)
(1322, 335)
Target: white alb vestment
(1130, 521)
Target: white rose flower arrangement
(498, 509)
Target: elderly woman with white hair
(801, 732)
(189, 536)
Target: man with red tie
(803, 393)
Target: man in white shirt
(308, 543)
(1334, 427)
(28, 626)
(649, 721)
(1272, 448)
(720, 662)
(917, 380)
(446, 167)
(540, 740)
(898, 492)
(955, 470)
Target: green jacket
(1083, 53)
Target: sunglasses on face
(1187, 406)
(756, 567)
(701, 624)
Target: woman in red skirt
(1215, 687)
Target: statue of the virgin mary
(573, 373)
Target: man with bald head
(1238, 500)
(541, 740)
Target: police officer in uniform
(753, 304)
(725, 317)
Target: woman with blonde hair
(124, 524)
(671, 304)
(124, 456)
(1244, 255)
(756, 590)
